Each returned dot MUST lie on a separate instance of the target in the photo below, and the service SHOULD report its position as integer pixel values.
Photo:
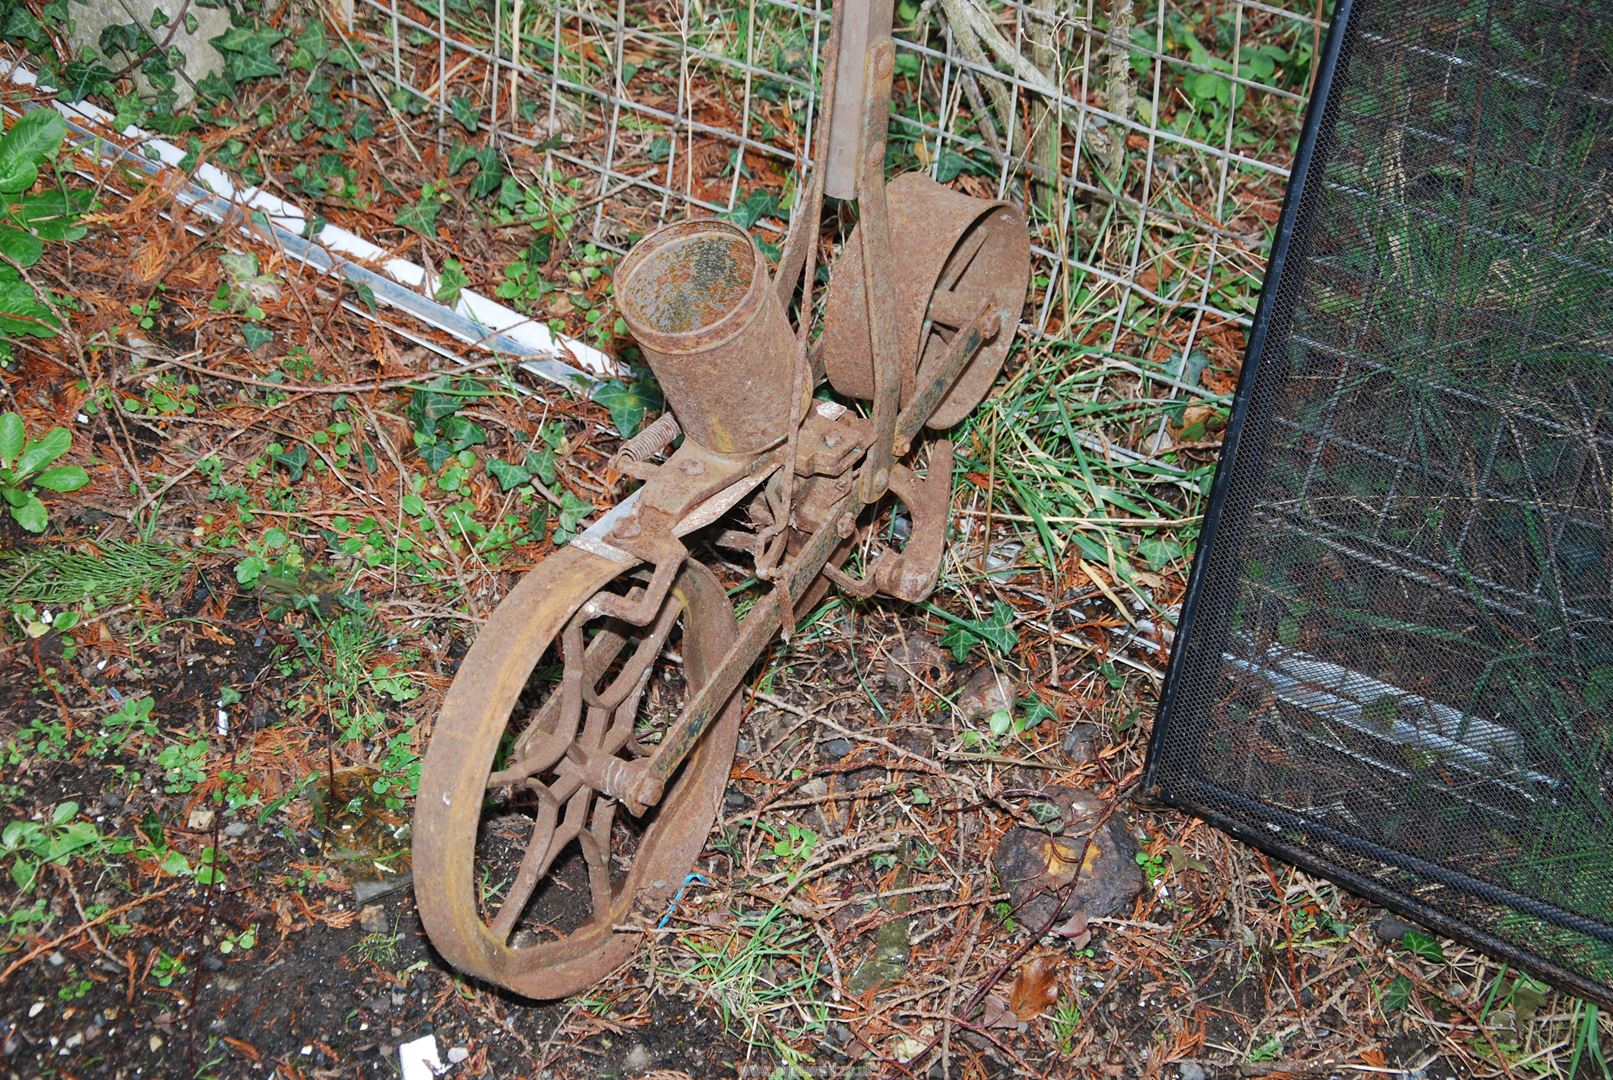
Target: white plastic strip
(401, 284)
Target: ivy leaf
(540, 463)
(995, 630)
(458, 433)
(462, 153)
(752, 208)
(311, 47)
(256, 335)
(214, 89)
(1397, 994)
(464, 110)
(451, 282)
(489, 178)
(367, 295)
(508, 476)
(30, 140)
(949, 165)
(430, 403)
(294, 460)
(1159, 553)
(433, 452)
(1036, 710)
(247, 51)
(627, 403)
(572, 512)
(421, 217)
(1420, 944)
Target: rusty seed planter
(588, 734)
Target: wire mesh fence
(1149, 141)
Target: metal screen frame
(1204, 627)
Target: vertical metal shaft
(864, 24)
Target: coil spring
(651, 441)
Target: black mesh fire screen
(1395, 663)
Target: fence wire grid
(1149, 142)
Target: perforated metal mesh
(1396, 661)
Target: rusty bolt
(884, 60)
(882, 479)
(627, 529)
(990, 323)
(831, 441)
(876, 152)
(845, 526)
(645, 793)
(692, 468)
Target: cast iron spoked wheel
(523, 873)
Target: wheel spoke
(547, 841)
(537, 848)
(644, 654)
(595, 843)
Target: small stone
(398, 999)
(200, 820)
(456, 1054)
(735, 800)
(373, 919)
(815, 788)
(873, 974)
(56, 959)
(154, 1043)
(1190, 1070)
(236, 829)
(916, 656)
(1037, 867)
(637, 1059)
(835, 749)
(987, 692)
(212, 963)
(1391, 928)
(1080, 743)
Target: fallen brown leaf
(1035, 987)
(994, 1014)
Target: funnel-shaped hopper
(695, 295)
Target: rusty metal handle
(864, 25)
(879, 288)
